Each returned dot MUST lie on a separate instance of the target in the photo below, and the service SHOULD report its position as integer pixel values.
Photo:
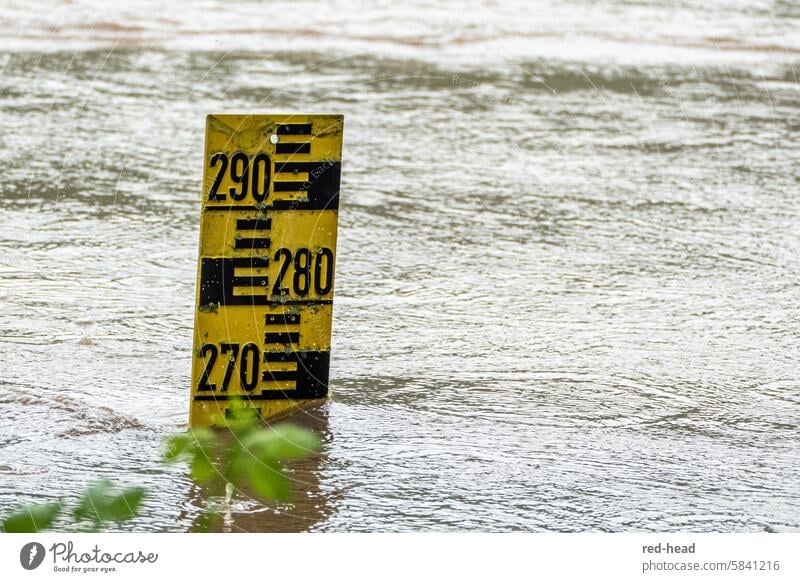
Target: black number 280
(249, 176)
(307, 271)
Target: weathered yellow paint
(292, 229)
(266, 265)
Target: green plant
(32, 518)
(243, 454)
(252, 457)
(100, 505)
(96, 507)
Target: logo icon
(31, 555)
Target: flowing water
(566, 292)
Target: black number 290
(249, 176)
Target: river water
(566, 292)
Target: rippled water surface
(567, 278)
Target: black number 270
(248, 365)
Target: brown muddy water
(567, 279)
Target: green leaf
(202, 437)
(202, 469)
(177, 445)
(99, 504)
(269, 481)
(283, 442)
(240, 417)
(251, 454)
(92, 501)
(32, 518)
(126, 505)
(185, 444)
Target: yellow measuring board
(266, 266)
